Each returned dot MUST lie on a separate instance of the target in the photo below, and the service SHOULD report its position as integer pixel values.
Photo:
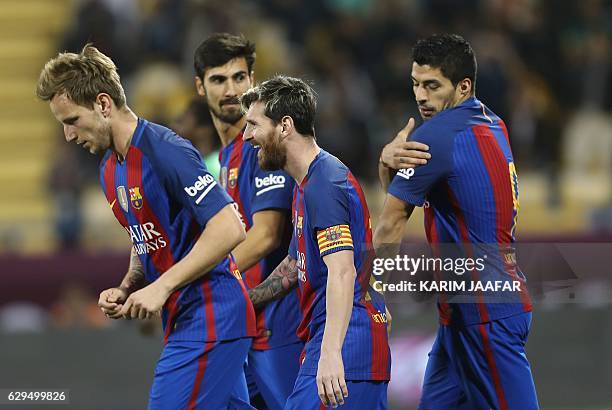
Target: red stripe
(250, 311)
(499, 390)
(380, 346)
(162, 258)
(465, 239)
(111, 189)
(432, 237)
(305, 293)
(380, 343)
(202, 362)
(505, 131)
(209, 311)
(254, 275)
(497, 168)
(366, 269)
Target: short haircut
(220, 48)
(81, 77)
(451, 53)
(285, 96)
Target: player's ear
(252, 78)
(465, 86)
(286, 126)
(199, 85)
(104, 102)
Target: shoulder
(163, 146)
(328, 177)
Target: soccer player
(182, 226)
(346, 359)
(470, 194)
(224, 71)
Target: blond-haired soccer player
(182, 226)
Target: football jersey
(163, 196)
(254, 190)
(330, 214)
(469, 190)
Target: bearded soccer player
(224, 71)
(469, 189)
(346, 358)
(182, 226)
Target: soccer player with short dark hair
(469, 189)
(224, 71)
(346, 357)
(182, 226)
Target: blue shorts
(274, 372)
(362, 395)
(196, 375)
(481, 366)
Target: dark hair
(220, 48)
(283, 96)
(451, 53)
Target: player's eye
(240, 77)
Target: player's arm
(111, 300)
(279, 283)
(264, 237)
(222, 233)
(391, 224)
(338, 305)
(399, 154)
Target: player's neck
(227, 132)
(300, 154)
(122, 131)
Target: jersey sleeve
(270, 189)
(329, 216)
(413, 184)
(189, 183)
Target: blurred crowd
(545, 66)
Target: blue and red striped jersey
(330, 214)
(163, 196)
(255, 190)
(470, 192)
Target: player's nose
(248, 134)
(69, 134)
(230, 91)
(421, 95)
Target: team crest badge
(223, 177)
(135, 197)
(333, 234)
(298, 226)
(122, 197)
(232, 178)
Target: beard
(272, 156)
(227, 115)
(102, 140)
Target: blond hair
(81, 77)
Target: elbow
(379, 235)
(348, 274)
(235, 234)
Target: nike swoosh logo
(113, 204)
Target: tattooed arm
(135, 277)
(280, 282)
(111, 300)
